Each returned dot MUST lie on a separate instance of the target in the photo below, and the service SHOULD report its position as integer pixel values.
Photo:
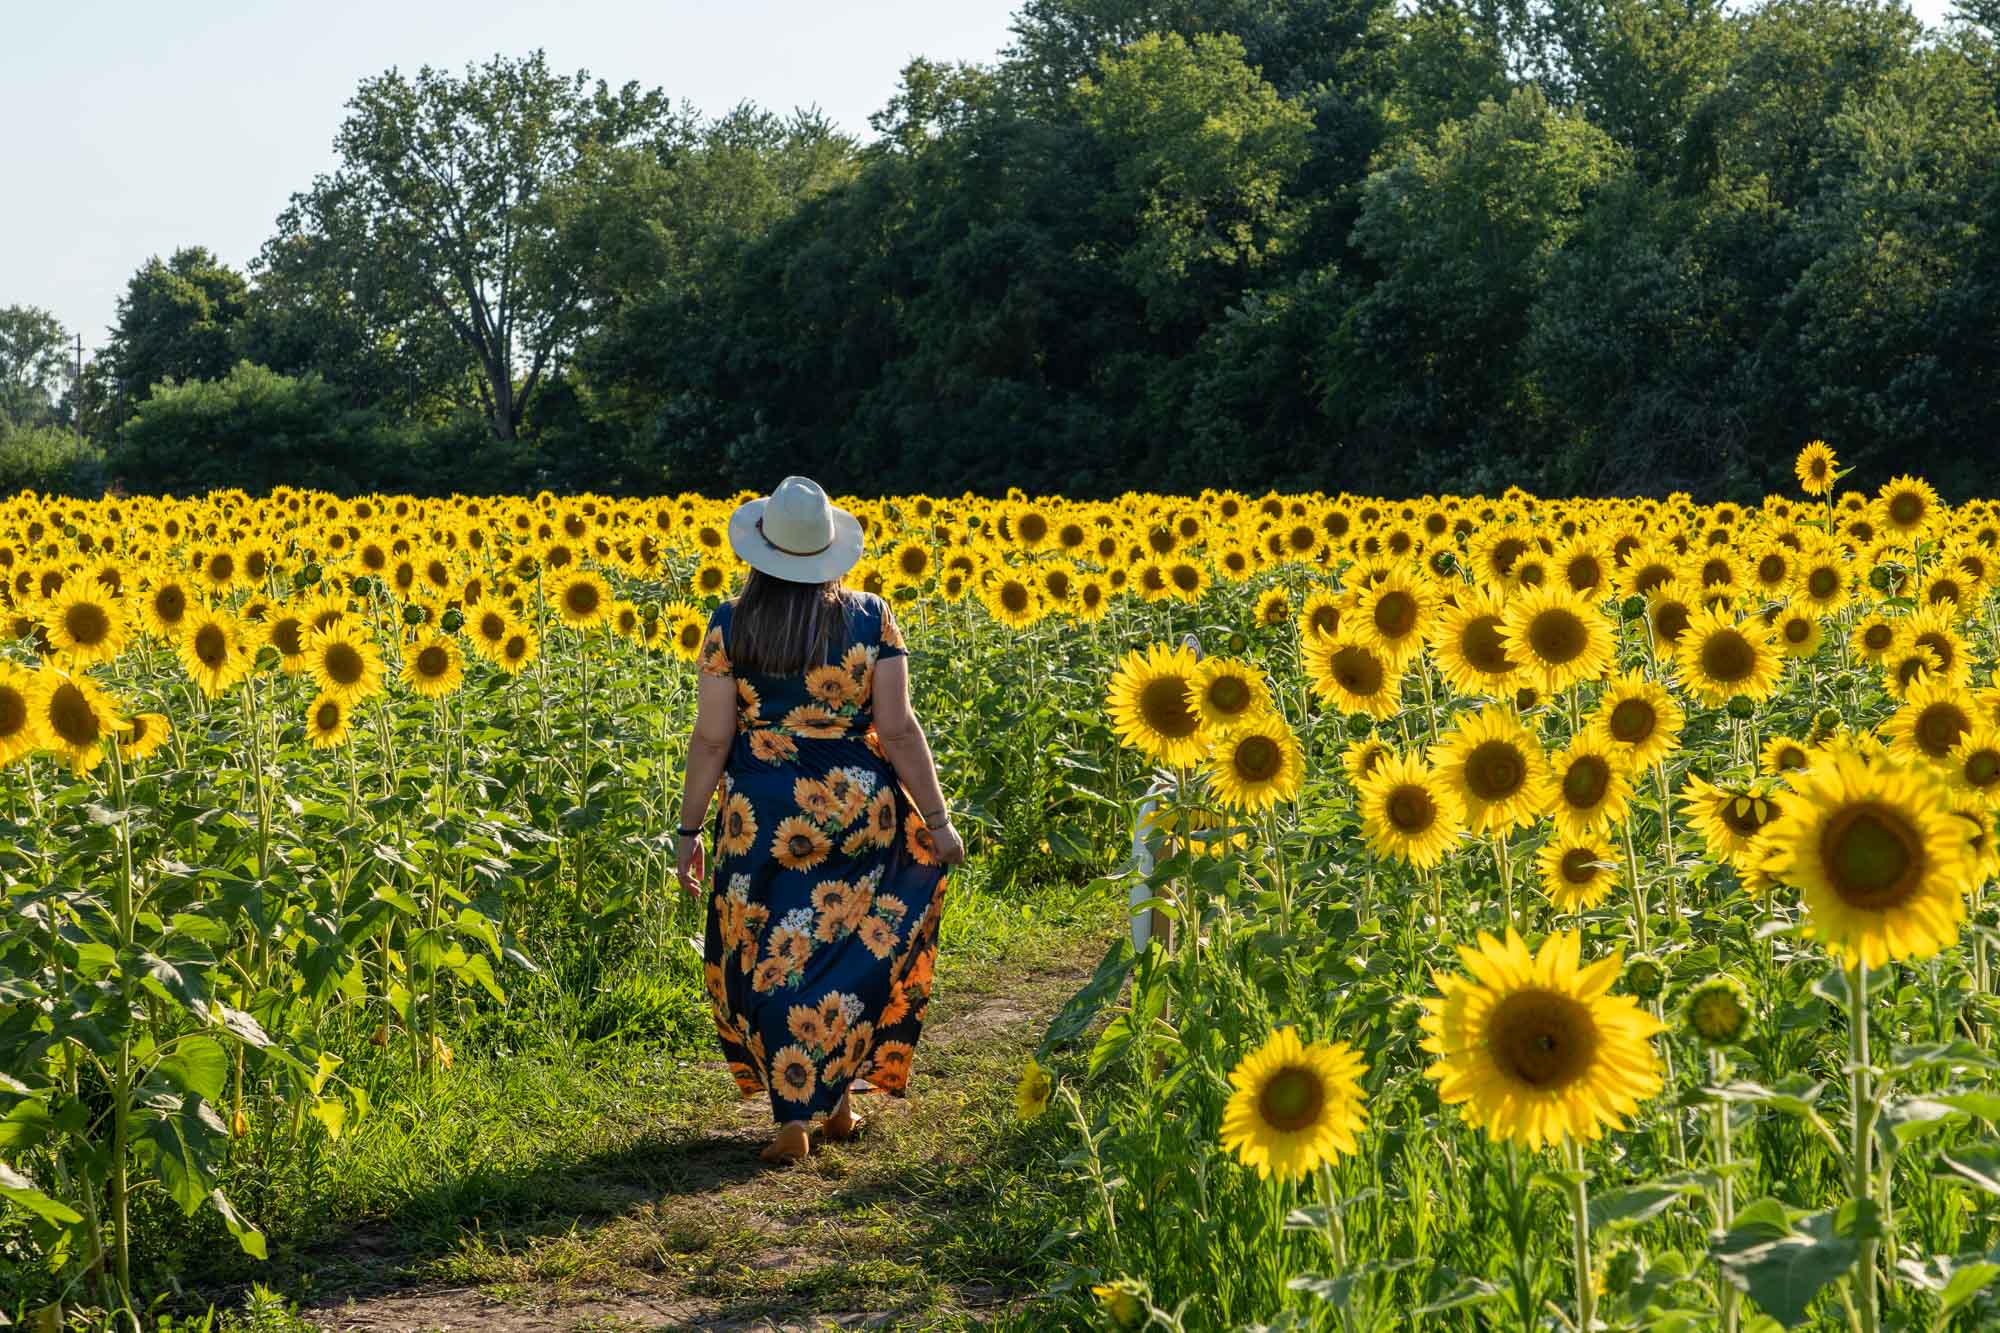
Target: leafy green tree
(436, 216)
(175, 322)
(33, 365)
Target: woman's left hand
(692, 865)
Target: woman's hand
(693, 865)
(950, 847)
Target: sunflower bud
(452, 621)
(1632, 608)
(1825, 723)
(1359, 725)
(1644, 977)
(307, 576)
(1527, 698)
(1718, 1011)
(1844, 681)
(1878, 578)
(361, 585)
(1239, 643)
(1742, 707)
(1123, 1302)
(268, 658)
(413, 614)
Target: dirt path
(891, 1232)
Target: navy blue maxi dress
(823, 921)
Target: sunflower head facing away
(1534, 1048)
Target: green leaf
(1636, 1204)
(199, 1065)
(1908, 1119)
(1980, 1166)
(1967, 1281)
(249, 1237)
(184, 1140)
(1076, 1016)
(1783, 1275)
(17, 1188)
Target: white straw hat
(797, 534)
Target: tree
(436, 215)
(175, 322)
(33, 365)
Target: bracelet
(929, 817)
(690, 833)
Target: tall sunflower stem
(1579, 1217)
(1725, 1201)
(1862, 1107)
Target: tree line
(1597, 246)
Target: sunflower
(1932, 719)
(1557, 637)
(344, 662)
(1719, 657)
(1293, 1106)
(1669, 608)
(1907, 508)
(1730, 815)
(165, 604)
(1362, 757)
(1408, 812)
(1354, 677)
(1225, 692)
(327, 719)
(1578, 872)
(1798, 630)
(215, 650)
(1013, 600)
(1822, 581)
(1931, 627)
(799, 844)
(17, 730)
(1255, 764)
(1590, 786)
(285, 629)
(1149, 705)
(1496, 767)
(518, 647)
(1274, 607)
(85, 624)
(71, 717)
(1535, 1048)
(1878, 856)
(144, 733)
(1972, 767)
(435, 668)
(1816, 468)
(1320, 617)
(582, 599)
(1467, 644)
(1393, 614)
(1784, 754)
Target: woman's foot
(841, 1123)
(792, 1143)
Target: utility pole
(76, 393)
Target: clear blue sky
(135, 126)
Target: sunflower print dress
(823, 921)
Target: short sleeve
(892, 633)
(714, 655)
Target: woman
(832, 837)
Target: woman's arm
(909, 752)
(708, 754)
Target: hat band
(788, 550)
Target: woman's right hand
(950, 847)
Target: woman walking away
(832, 837)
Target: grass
(609, 1181)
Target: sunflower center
(343, 663)
(799, 845)
(516, 647)
(72, 717)
(1228, 694)
(1877, 637)
(1579, 865)
(1258, 759)
(1771, 569)
(1482, 646)
(1982, 767)
(1651, 577)
(1670, 621)
(211, 646)
(492, 625)
(1411, 809)
(1584, 573)
(1586, 782)
(1874, 858)
(1014, 596)
(1822, 583)
(1632, 721)
(1505, 553)
(433, 661)
(13, 712)
(170, 604)
(87, 624)
(1541, 1038)
(1906, 509)
(1185, 577)
(1940, 645)
(1291, 1099)
(285, 636)
(1395, 613)
(1557, 635)
(1939, 727)
(1326, 621)
(1358, 672)
(327, 716)
(1495, 770)
(1728, 657)
(1163, 703)
(581, 598)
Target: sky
(137, 127)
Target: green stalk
(1861, 1105)
(1579, 1217)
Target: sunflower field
(1560, 913)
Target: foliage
(33, 365)
(175, 321)
(51, 459)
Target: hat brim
(839, 557)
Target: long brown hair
(779, 628)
